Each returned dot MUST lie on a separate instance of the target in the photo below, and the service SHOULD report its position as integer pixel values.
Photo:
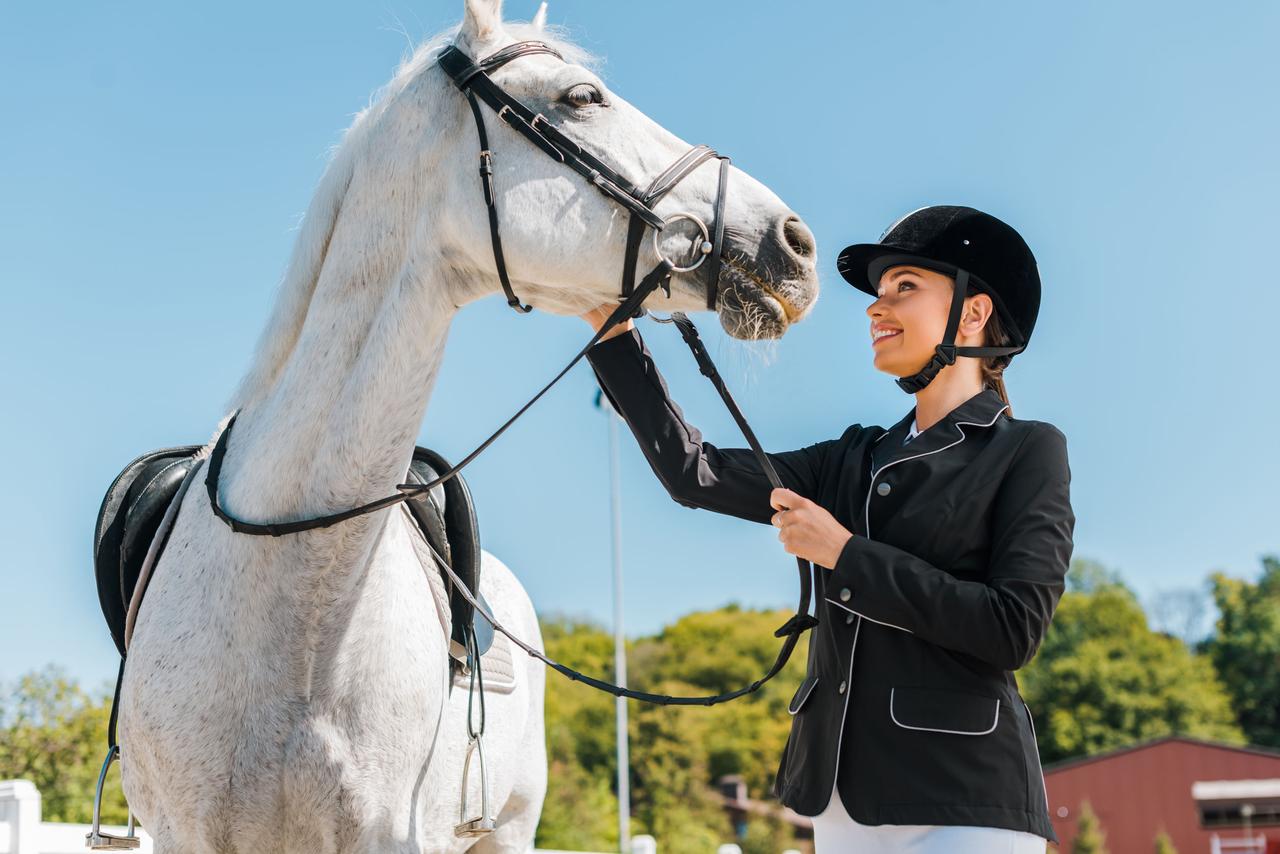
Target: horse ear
(480, 20)
(540, 18)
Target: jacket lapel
(980, 410)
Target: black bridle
(473, 80)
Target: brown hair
(993, 366)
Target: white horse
(282, 694)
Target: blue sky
(155, 160)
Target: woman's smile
(879, 334)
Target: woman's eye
(583, 95)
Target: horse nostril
(798, 237)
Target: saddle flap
(454, 532)
(128, 518)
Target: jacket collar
(981, 410)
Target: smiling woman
(940, 545)
(895, 346)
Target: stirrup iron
(483, 823)
(98, 840)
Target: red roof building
(1210, 798)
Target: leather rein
(473, 80)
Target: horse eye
(583, 95)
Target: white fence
(23, 832)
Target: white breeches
(834, 832)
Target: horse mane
(293, 297)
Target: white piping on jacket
(864, 616)
(950, 731)
(804, 699)
(866, 505)
(848, 690)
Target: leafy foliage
(1246, 649)
(1103, 679)
(677, 752)
(54, 734)
(1090, 839)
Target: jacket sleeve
(1002, 620)
(696, 473)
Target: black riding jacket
(962, 538)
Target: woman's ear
(976, 311)
(481, 20)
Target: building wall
(1136, 792)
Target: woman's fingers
(782, 498)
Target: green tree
(1246, 649)
(673, 798)
(1164, 845)
(53, 733)
(767, 835)
(581, 807)
(678, 752)
(1090, 838)
(1103, 679)
(711, 652)
(580, 812)
(722, 650)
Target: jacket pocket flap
(802, 694)
(939, 710)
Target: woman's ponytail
(993, 367)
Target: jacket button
(848, 618)
(843, 685)
(845, 594)
(884, 489)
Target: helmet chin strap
(946, 352)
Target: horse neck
(337, 426)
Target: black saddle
(137, 499)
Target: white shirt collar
(914, 432)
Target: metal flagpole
(619, 640)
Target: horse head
(564, 242)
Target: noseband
(474, 81)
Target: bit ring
(700, 249)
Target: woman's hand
(806, 529)
(598, 315)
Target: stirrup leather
(98, 840)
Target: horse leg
(517, 824)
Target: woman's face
(908, 318)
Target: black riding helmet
(976, 249)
